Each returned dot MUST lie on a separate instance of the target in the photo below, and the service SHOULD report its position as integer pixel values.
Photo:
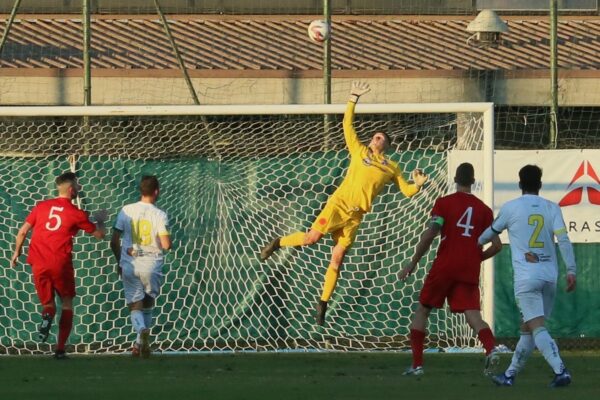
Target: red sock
(417, 339)
(64, 328)
(487, 338)
(48, 310)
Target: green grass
(284, 377)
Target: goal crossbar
(99, 111)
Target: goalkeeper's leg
(294, 240)
(331, 277)
(331, 219)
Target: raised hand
(359, 88)
(419, 178)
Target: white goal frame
(486, 109)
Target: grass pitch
(267, 376)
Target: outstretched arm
(422, 248)
(21, 235)
(410, 189)
(357, 90)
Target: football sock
(147, 316)
(524, 348)
(137, 320)
(64, 328)
(548, 348)
(417, 340)
(49, 310)
(293, 240)
(331, 277)
(486, 337)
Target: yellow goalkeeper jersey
(368, 173)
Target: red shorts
(461, 296)
(47, 281)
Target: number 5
(55, 217)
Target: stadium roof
(279, 45)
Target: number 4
(465, 222)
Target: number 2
(537, 221)
(465, 222)
(55, 217)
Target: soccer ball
(318, 31)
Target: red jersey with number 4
(463, 217)
(55, 222)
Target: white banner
(570, 178)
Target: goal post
(233, 177)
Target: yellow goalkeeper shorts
(340, 222)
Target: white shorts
(141, 279)
(535, 298)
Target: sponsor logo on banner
(575, 194)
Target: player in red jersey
(54, 223)
(459, 218)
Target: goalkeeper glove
(419, 178)
(358, 89)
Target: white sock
(549, 349)
(137, 320)
(525, 347)
(148, 316)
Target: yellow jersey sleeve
(354, 145)
(407, 189)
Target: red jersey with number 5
(54, 223)
(463, 217)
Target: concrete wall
(130, 91)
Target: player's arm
(423, 246)
(20, 239)
(494, 230)
(410, 189)
(357, 90)
(165, 241)
(496, 243)
(115, 240)
(492, 250)
(566, 248)
(97, 230)
(163, 233)
(115, 244)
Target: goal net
(232, 178)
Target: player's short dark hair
(465, 174)
(530, 178)
(69, 177)
(148, 185)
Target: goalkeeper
(367, 174)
